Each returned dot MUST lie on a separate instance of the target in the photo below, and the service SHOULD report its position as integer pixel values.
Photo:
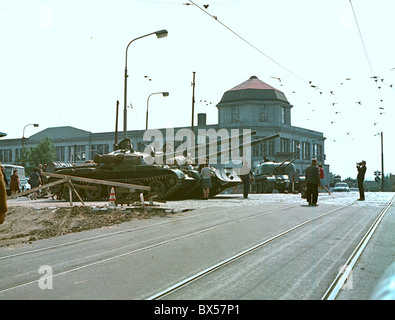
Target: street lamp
(159, 34)
(23, 132)
(165, 94)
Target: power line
(310, 83)
(366, 52)
(360, 34)
(249, 43)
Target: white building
(252, 104)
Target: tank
(223, 178)
(122, 165)
(269, 176)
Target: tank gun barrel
(290, 159)
(193, 149)
(245, 144)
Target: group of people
(15, 187)
(15, 184)
(315, 178)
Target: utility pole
(116, 123)
(193, 98)
(193, 140)
(382, 163)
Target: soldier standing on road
(35, 181)
(361, 167)
(246, 176)
(312, 182)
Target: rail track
(74, 245)
(333, 289)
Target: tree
(44, 152)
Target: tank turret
(269, 176)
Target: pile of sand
(27, 224)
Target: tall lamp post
(159, 34)
(23, 137)
(165, 94)
(382, 163)
(23, 132)
(382, 160)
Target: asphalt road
(135, 260)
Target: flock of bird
(342, 102)
(336, 101)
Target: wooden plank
(131, 187)
(44, 186)
(75, 191)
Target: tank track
(63, 194)
(145, 181)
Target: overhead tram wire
(360, 34)
(309, 83)
(366, 52)
(249, 43)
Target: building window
(270, 150)
(77, 153)
(295, 148)
(6, 155)
(259, 149)
(18, 152)
(264, 149)
(99, 149)
(283, 117)
(235, 114)
(80, 153)
(317, 152)
(285, 145)
(60, 153)
(264, 115)
(306, 151)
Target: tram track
(334, 287)
(345, 271)
(181, 284)
(75, 243)
(129, 230)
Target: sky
(62, 64)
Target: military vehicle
(122, 165)
(223, 178)
(168, 181)
(269, 176)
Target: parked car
(341, 187)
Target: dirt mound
(27, 224)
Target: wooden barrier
(69, 181)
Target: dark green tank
(123, 165)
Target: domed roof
(253, 89)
